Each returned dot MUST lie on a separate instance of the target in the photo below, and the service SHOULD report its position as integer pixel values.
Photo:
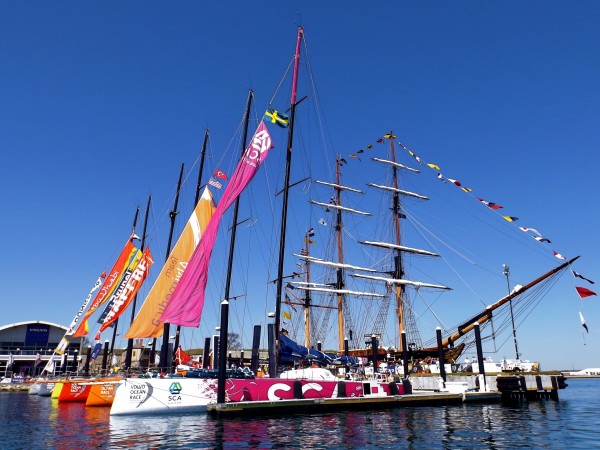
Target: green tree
(233, 341)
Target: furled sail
(331, 290)
(395, 164)
(402, 248)
(187, 301)
(341, 208)
(333, 264)
(399, 191)
(147, 323)
(416, 284)
(339, 187)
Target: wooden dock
(499, 388)
(341, 404)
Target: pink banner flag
(187, 301)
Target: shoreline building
(29, 346)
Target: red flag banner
(182, 357)
(584, 292)
(220, 174)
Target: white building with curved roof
(25, 343)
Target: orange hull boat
(102, 394)
(74, 392)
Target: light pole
(506, 271)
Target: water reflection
(571, 423)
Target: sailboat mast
(340, 272)
(222, 350)
(164, 349)
(398, 271)
(237, 205)
(130, 341)
(201, 169)
(196, 198)
(116, 325)
(288, 162)
(307, 300)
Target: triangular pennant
(584, 292)
(578, 275)
(583, 324)
(558, 255)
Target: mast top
(296, 64)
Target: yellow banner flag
(147, 323)
(62, 346)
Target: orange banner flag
(110, 283)
(131, 288)
(147, 323)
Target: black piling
(255, 349)
(341, 389)
(216, 347)
(105, 356)
(346, 354)
(298, 389)
(375, 352)
(206, 354)
(272, 351)
(222, 352)
(438, 333)
(404, 354)
(88, 358)
(480, 354)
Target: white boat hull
(162, 396)
(46, 389)
(179, 395)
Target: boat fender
(297, 389)
(394, 388)
(341, 389)
(406, 386)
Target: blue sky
(102, 103)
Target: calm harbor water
(572, 422)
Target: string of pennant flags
(282, 120)
(532, 232)
(583, 292)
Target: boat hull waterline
(102, 393)
(180, 395)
